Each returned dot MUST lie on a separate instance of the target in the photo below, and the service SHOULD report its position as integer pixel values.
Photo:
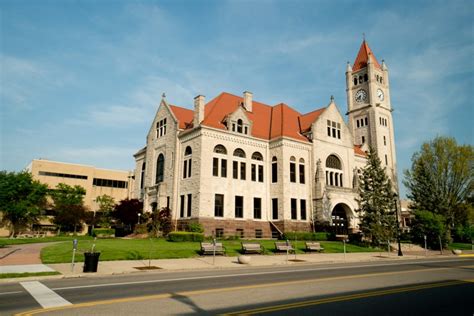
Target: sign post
(74, 248)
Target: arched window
(142, 176)
(160, 168)
(187, 162)
(188, 151)
(239, 153)
(219, 149)
(257, 156)
(239, 126)
(301, 170)
(333, 162)
(274, 170)
(292, 169)
(360, 78)
(366, 78)
(355, 81)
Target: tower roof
(363, 56)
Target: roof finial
(163, 95)
(363, 36)
(332, 98)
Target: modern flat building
(243, 167)
(115, 183)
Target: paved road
(362, 288)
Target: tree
(164, 218)
(441, 180)
(106, 207)
(377, 202)
(431, 225)
(69, 206)
(126, 212)
(21, 199)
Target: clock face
(361, 95)
(380, 94)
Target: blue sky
(81, 80)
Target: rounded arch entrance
(340, 219)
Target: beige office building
(115, 183)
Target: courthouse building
(242, 167)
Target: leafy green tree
(441, 180)
(106, 207)
(431, 225)
(126, 212)
(70, 211)
(377, 202)
(21, 200)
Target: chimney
(248, 101)
(199, 102)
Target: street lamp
(395, 197)
(139, 214)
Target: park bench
(314, 246)
(207, 248)
(283, 246)
(252, 247)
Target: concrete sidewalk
(221, 262)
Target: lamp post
(139, 214)
(395, 197)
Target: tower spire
(363, 56)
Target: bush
(306, 236)
(106, 232)
(185, 236)
(432, 226)
(195, 228)
(141, 229)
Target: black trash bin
(91, 261)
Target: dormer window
(239, 126)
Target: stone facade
(241, 167)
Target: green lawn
(136, 249)
(462, 246)
(26, 274)
(19, 241)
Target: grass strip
(26, 274)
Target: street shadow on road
(187, 301)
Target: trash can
(91, 261)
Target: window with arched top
(187, 163)
(274, 169)
(366, 78)
(333, 162)
(142, 176)
(220, 149)
(239, 153)
(302, 171)
(292, 169)
(188, 151)
(160, 168)
(239, 126)
(257, 156)
(334, 172)
(360, 78)
(355, 81)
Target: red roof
(184, 116)
(358, 151)
(363, 56)
(268, 122)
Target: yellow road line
(347, 297)
(466, 255)
(235, 288)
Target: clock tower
(369, 108)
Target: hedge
(104, 232)
(185, 236)
(306, 236)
